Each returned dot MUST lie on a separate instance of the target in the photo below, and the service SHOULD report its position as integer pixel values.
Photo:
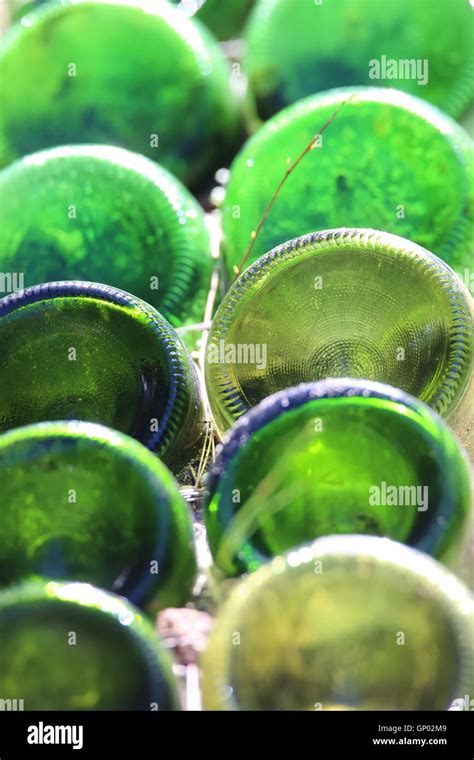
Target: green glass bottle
(388, 161)
(338, 456)
(224, 17)
(345, 303)
(75, 350)
(296, 48)
(347, 623)
(83, 502)
(108, 215)
(70, 646)
(136, 74)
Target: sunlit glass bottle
(83, 502)
(298, 47)
(345, 303)
(388, 161)
(70, 646)
(108, 215)
(75, 350)
(347, 623)
(338, 456)
(137, 74)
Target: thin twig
(255, 233)
(205, 454)
(197, 327)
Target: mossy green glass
(338, 456)
(225, 18)
(388, 161)
(83, 502)
(298, 47)
(70, 646)
(107, 215)
(136, 74)
(347, 623)
(345, 303)
(75, 350)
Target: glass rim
(275, 406)
(102, 605)
(454, 383)
(124, 449)
(174, 351)
(446, 587)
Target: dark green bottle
(224, 17)
(345, 303)
(70, 646)
(137, 74)
(347, 623)
(108, 215)
(388, 161)
(338, 456)
(298, 47)
(83, 502)
(75, 350)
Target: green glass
(136, 74)
(74, 350)
(338, 456)
(70, 646)
(388, 161)
(108, 215)
(345, 303)
(224, 17)
(347, 623)
(83, 502)
(298, 47)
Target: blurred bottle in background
(300, 47)
(347, 623)
(139, 75)
(70, 646)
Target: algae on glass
(388, 161)
(137, 74)
(296, 48)
(104, 214)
